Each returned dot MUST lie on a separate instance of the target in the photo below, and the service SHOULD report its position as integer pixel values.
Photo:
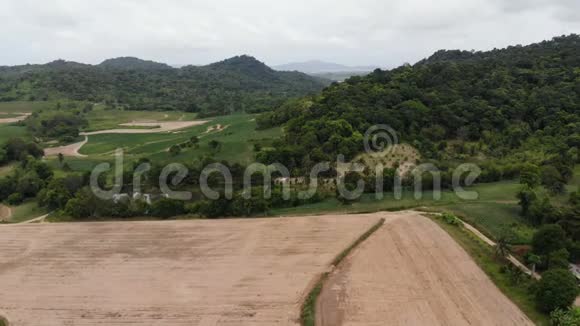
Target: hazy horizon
(368, 33)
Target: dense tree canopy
(237, 84)
(489, 104)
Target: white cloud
(381, 32)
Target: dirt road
(68, 150)
(153, 127)
(411, 272)
(223, 272)
(22, 117)
(156, 127)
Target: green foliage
(503, 101)
(174, 150)
(166, 208)
(503, 246)
(84, 205)
(59, 191)
(214, 145)
(451, 219)
(560, 258)
(561, 317)
(237, 84)
(549, 239)
(16, 149)
(552, 179)
(556, 289)
(530, 175)
(15, 199)
(57, 124)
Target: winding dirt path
(411, 272)
(68, 150)
(22, 117)
(156, 127)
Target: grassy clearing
(77, 164)
(8, 131)
(101, 119)
(493, 218)
(26, 211)
(484, 256)
(9, 115)
(308, 310)
(24, 106)
(494, 210)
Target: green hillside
(234, 85)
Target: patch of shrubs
(451, 219)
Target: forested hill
(487, 104)
(237, 84)
(132, 63)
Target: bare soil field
(223, 272)
(411, 272)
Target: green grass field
(26, 211)
(495, 209)
(8, 131)
(237, 141)
(101, 119)
(23, 106)
(9, 115)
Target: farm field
(225, 272)
(237, 135)
(101, 119)
(411, 272)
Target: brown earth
(223, 272)
(411, 272)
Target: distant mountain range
(241, 83)
(319, 67)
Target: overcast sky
(385, 33)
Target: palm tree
(503, 246)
